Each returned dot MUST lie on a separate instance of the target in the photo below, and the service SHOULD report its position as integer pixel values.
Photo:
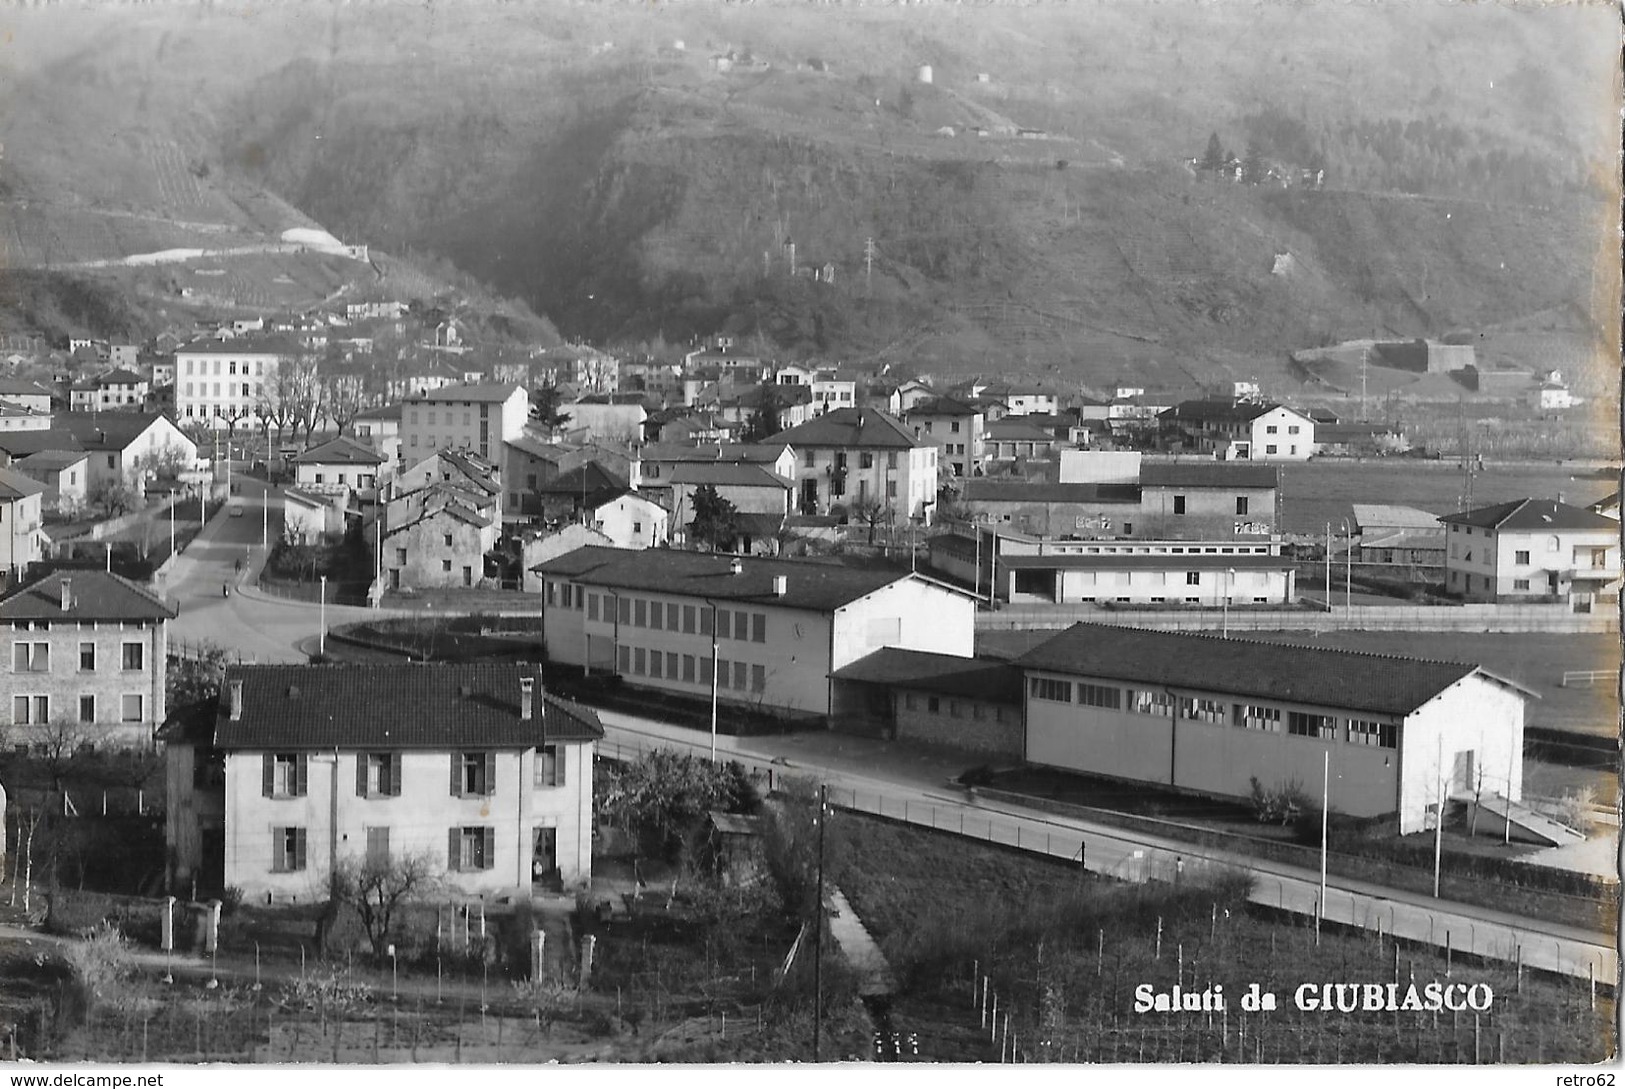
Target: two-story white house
(1532, 550)
(766, 632)
(337, 465)
(472, 767)
(21, 520)
(1239, 430)
(855, 456)
(87, 648)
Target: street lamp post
(321, 641)
(172, 525)
(818, 927)
(714, 648)
(1230, 581)
(1348, 569)
(1329, 605)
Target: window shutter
(278, 860)
(490, 773)
(489, 835)
(302, 775)
(268, 774)
(395, 774)
(456, 781)
(451, 851)
(361, 761)
(299, 849)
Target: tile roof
(851, 428)
(16, 387)
(943, 406)
(1219, 410)
(1320, 676)
(1184, 561)
(810, 584)
(242, 345)
(949, 674)
(439, 706)
(587, 479)
(1369, 516)
(1004, 490)
(340, 450)
(48, 460)
(96, 595)
(121, 377)
(106, 430)
(734, 474)
(15, 485)
(1532, 514)
(760, 453)
(1207, 474)
(476, 391)
(1016, 429)
(382, 412)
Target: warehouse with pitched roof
(1209, 715)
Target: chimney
(236, 700)
(736, 566)
(527, 689)
(67, 594)
(781, 585)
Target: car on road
(237, 510)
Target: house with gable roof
(1239, 430)
(472, 766)
(91, 647)
(853, 456)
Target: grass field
(1066, 959)
(1317, 492)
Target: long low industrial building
(1209, 715)
(775, 628)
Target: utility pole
(1328, 567)
(818, 926)
(713, 682)
(1325, 806)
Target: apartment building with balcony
(1532, 550)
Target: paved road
(875, 777)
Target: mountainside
(638, 172)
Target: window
(1520, 584)
(640, 613)
(592, 606)
(708, 671)
(445, 569)
(87, 708)
(741, 625)
(87, 657)
(1241, 504)
(954, 427)
(1270, 429)
(953, 709)
(400, 557)
(287, 850)
(377, 847)
(1382, 735)
(657, 615)
(1099, 695)
(1521, 556)
(26, 710)
(471, 848)
(549, 766)
(640, 662)
(130, 707)
(656, 663)
(671, 616)
(1043, 688)
(284, 775)
(724, 624)
(473, 774)
(1270, 449)
(741, 672)
(133, 657)
(758, 628)
(671, 665)
(1193, 578)
(688, 668)
(1304, 724)
(808, 460)
(378, 775)
(758, 678)
(1143, 702)
(1599, 557)
(637, 527)
(1253, 717)
(625, 656)
(891, 460)
(688, 619)
(933, 704)
(891, 489)
(1201, 710)
(623, 610)
(1179, 504)
(866, 460)
(31, 657)
(1292, 429)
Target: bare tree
(377, 888)
(872, 513)
(298, 396)
(345, 396)
(59, 743)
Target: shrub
(1284, 802)
(100, 962)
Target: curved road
(869, 777)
